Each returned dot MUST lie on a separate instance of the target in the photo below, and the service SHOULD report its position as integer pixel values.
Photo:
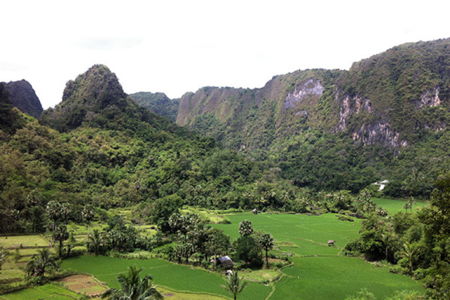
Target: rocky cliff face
(310, 88)
(97, 87)
(392, 99)
(429, 99)
(22, 95)
(88, 98)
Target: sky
(179, 46)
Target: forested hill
(96, 99)
(98, 148)
(385, 118)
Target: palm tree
(245, 228)
(234, 284)
(41, 262)
(71, 243)
(267, 244)
(59, 235)
(95, 242)
(409, 252)
(133, 287)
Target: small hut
(224, 262)
(330, 243)
(255, 211)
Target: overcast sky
(179, 46)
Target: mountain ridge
(22, 95)
(344, 96)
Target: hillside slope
(390, 99)
(97, 148)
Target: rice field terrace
(395, 205)
(315, 270)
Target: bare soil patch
(84, 284)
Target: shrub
(396, 269)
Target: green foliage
(245, 228)
(97, 242)
(416, 241)
(41, 263)
(436, 238)
(248, 250)
(157, 103)
(326, 162)
(60, 234)
(133, 287)
(267, 243)
(160, 210)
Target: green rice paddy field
(395, 205)
(317, 271)
(47, 291)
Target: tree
(245, 228)
(57, 213)
(161, 210)
(183, 223)
(364, 201)
(266, 241)
(40, 263)
(234, 284)
(87, 213)
(37, 219)
(70, 244)
(3, 256)
(409, 253)
(437, 232)
(218, 243)
(122, 238)
(133, 287)
(95, 242)
(409, 204)
(248, 250)
(59, 235)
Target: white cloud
(179, 46)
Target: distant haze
(179, 46)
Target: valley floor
(317, 271)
